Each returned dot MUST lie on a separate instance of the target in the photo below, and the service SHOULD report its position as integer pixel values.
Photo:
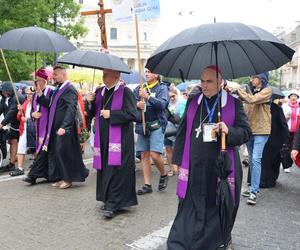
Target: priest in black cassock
(114, 108)
(60, 159)
(197, 223)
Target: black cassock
(197, 223)
(271, 158)
(63, 160)
(116, 184)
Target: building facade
(290, 73)
(121, 37)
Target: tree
(22, 13)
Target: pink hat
(44, 74)
(214, 67)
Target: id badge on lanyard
(209, 133)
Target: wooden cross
(101, 20)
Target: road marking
(7, 177)
(153, 240)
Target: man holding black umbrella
(198, 224)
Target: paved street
(42, 217)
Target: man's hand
(19, 107)
(90, 96)
(36, 115)
(1, 126)
(143, 93)
(105, 113)
(141, 105)
(61, 131)
(223, 126)
(294, 154)
(23, 119)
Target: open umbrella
(34, 39)
(239, 50)
(94, 60)
(132, 78)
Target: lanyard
(148, 87)
(211, 112)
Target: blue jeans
(255, 148)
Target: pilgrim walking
(115, 111)
(197, 224)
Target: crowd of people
(52, 123)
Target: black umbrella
(94, 60)
(35, 39)
(242, 50)
(224, 197)
(276, 93)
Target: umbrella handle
(223, 142)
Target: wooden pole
(9, 76)
(140, 67)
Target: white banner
(123, 10)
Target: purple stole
(115, 131)
(55, 98)
(41, 124)
(228, 117)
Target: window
(113, 33)
(145, 36)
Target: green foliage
(23, 13)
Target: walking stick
(140, 68)
(10, 79)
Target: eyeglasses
(29, 94)
(172, 96)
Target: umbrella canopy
(94, 60)
(241, 50)
(276, 93)
(132, 77)
(35, 39)
(182, 86)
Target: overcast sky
(267, 14)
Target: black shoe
(30, 180)
(252, 199)
(146, 189)
(163, 183)
(8, 167)
(17, 172)
(108, 214)
(245, 163)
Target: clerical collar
(109, 88)
(62, 85)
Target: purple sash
(115, 131)
(41, 124)
(52, 113)
(228, 116)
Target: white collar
(64, 84)
(223, 101)
(116, 87)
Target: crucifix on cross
(101, 20)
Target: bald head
(209, 83)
